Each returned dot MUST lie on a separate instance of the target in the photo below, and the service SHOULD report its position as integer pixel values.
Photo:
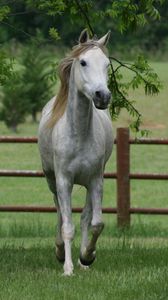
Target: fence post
(123, 180)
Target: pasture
(130, 265)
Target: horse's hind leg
(95, 194)
(60, 253)
(86, 218)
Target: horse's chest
(81, 157)
(88, 159)
(86, 162)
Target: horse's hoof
(83, 267)
(85, 262)
(68, 273)
(68, 269)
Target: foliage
(39, 77)
(4, 11)
(68, 16)
(125, 16)
(54, 33)
(5, 64)
(143, 75)
(29, 88)
(132, 14)
(53, 7)
(6, 67)
(14, 107)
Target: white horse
(75, 142)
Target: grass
(130, 265)
(127, 266)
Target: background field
(130, 265)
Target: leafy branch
(144, 75)
(120, 99)
(6, 68)
(83, 12)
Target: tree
(38, 70)
(14, 108)
(29, 88)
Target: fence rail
(35, 173)
(122, 176)
(106, 210)
(34, 140)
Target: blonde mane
(64, 70)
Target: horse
(75, 141)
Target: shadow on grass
(32, 259)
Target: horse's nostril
(98, 94)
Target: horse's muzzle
(101, 99)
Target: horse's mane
(64, 70)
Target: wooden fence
(123, 176)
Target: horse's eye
(83, 63)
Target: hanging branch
(16, 29)
(154, 88)
(122, 101)
(143, 75)
(82, 11)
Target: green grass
(130, 265)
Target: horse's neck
(79, 112)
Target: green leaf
(54, 33)
(4, 11)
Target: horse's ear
(84, 36)
(104, 40)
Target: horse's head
(91, 70)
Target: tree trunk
(13, 128)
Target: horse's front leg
(88, 249)
(64, 189)
(59, 243)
